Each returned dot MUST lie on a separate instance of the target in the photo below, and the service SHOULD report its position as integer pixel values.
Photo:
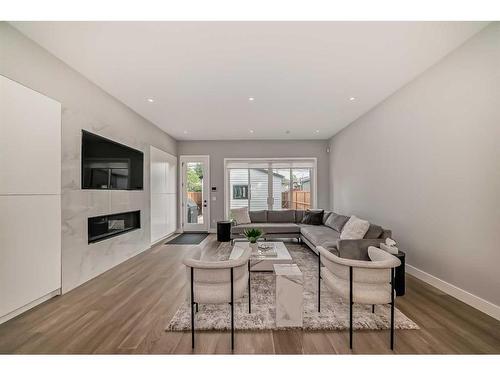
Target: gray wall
(426, 163)
(218, 150)
(85, 106)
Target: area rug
(187, 239)
(334, 313)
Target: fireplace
(107, 226)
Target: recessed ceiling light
(352, 98)
(151, 100)
(185, 131)
(251, 131)
(251, 98)
(316, 131)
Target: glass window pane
(281, 189)
(259, 189)
(194, 206)
(301, 188)
(238, 180)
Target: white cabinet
(30, 141)
(163, 177)
(30, 198)
(30, 236)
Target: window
(240, 191)
(277, 184)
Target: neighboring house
(305, 184)
(241, 190)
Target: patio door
(195, 193)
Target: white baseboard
(164, 238)
(28, 306)
(454, 291)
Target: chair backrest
(375, 271)
(213, 272)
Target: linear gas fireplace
(103, 227)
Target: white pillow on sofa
(354, 229)
(240, 215)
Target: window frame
(269, 162)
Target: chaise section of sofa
(288, 224)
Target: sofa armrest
(357, 249)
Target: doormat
(188, 239)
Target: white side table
(289, 295)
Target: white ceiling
(201, 74)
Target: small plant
(253, 234)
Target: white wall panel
(163, 193)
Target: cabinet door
(30, 249)
(30, 141)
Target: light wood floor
(126, 309)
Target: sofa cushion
(374, 231)
(283, 216)
(258, 216)
(319, 234)
(336, 221)
(313, 217)
(240, 215)
(268, 228)
(326, 215)
(299, 215)
(354, 229)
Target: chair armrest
(231, 263)
(356, 249)
(385, 262)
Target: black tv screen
(110, 165)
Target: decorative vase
(254, 247)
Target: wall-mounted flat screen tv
(110, 165)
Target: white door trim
(182, 160)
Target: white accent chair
(359, 281)
(217, 282)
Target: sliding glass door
(270, 184)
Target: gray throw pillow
(258, 216)
(374, 231)
(336, 221)
(313, 217)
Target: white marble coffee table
(259, 262)
(289, 295)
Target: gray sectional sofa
(288, 224)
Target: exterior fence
(301, 200)
(196, 197)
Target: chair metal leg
(249, 290)
(392, 308)
(350, 307)
(319, 282)
(232, 312)
(196, 305)
(192, 309)
(373, 309)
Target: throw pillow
(313, 217)
(354, 229)
(240, 215)
(336, 221)
(374, 231)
